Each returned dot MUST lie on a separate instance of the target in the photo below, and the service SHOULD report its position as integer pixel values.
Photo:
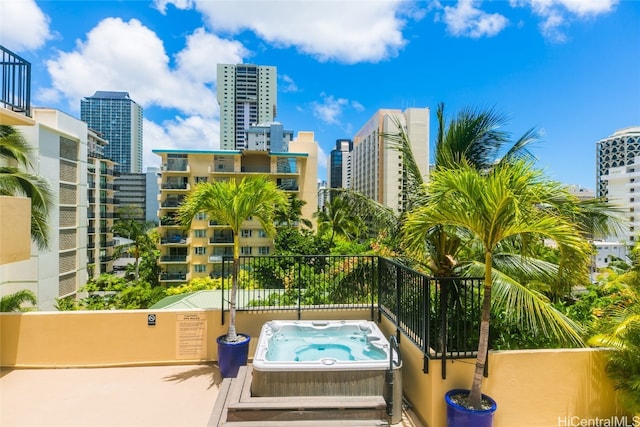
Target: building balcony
(175, 167)
(171, 203)
(175, 186)
(16, 86)
(169, 221)
(174, 277)
(174, 259)
(174, 239)
(217, 240)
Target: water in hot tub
(306, 344)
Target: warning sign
(191, 336)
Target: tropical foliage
(232, 203)
(509, 203)
(17, 301)
(139, 233)
(15, 161)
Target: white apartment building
(618, 158)
(60, 157)
(247, 95)
(376, 169)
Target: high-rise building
(339, 168)
(101, 210)
(247, 95)
(268, 136)
(119, 119)
(618, 169)
(152, 191)
(199, 251)
(60, 143)
(376, 169)
(131, 195)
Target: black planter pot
(459, 416)
(232, 355)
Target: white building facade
(618, 168)
(247, 95)
(60, 153)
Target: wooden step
(307, 423)
(236, 407)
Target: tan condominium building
(377, 170)
(199, 251)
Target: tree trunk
(232, 335)
(475, 396)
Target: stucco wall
(533, 388)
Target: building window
(246, 233)
(200, 268)
(263, 250)
(201, 216)
(200, 250)
(262, 233)
(200, 179)
(245, 250)
(200, 233)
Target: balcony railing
(168, 277)
(16, 83)
(220, 239)
(174, 239)
(175, 186)
(174, 258)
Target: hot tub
(320, 358)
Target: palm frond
(528, 308)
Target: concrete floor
(153, 396)
(136, 396)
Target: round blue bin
(232, 355)
(459, 416)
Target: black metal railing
(439, 315)
(16, 83)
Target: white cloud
(466, 20)
(346, 31)
(161, 5)
(23, 25)
(330, 109)
(126, 56)
(289, 85)
(557, 15)
(190, 133)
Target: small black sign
(151, 320)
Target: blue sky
(569, 68)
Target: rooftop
(159, 396)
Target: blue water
(343, 343)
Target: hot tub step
(308, 423)
(308, 408)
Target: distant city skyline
(566, 68)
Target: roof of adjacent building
(110, 95)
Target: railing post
(426, 306)
(398, 290)
(297, 260)
(444, 289)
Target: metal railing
(439, 315)
(16, 83)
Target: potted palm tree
(231, 203)
(510, 202)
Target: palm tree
(232, 203)
(509, 202)
(14, 302)
(15, 181)
(129, 227)
(338, 218)
(291, 216)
